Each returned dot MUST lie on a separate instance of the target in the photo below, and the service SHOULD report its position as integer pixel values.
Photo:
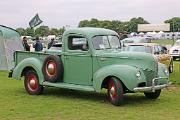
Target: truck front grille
(150, 75)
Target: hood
(137, 59)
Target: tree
(116, 25)
(30, 32)
(54, 31)
(174, 24)
(21, 31)
(42, 31)
(133, 24)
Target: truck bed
(21, 55)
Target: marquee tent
(9, 42)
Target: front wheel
(153, 95)
(31, 83)
(115, 91)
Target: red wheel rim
(51, 68)
(32, 82)
(112, 90)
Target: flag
(35, 21)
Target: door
(78, 61)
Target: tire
(31, 83)
(115, 91)
(53, 69)
(153, 95)
(171, 67)
(174, 58)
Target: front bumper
(153, 87)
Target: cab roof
(90, 31)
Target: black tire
(31, 83)
(57, 74)
(171, 67)
(115, 91)
(153, 95)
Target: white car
(175, 50)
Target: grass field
(61, 104)
(164, 42)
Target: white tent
(9, 42)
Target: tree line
(116, 25)
(40, 31)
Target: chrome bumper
(153, 87)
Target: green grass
(175, 76)
(163, 42)
(63, 104)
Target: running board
(69, 86)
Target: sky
(58, 13)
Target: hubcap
(112, 91)
(51, 68)
(32, 82)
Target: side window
(77, 43)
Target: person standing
(50, 44)
(38, 45)
(25, 44)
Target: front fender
(126, 73)
(28, 62)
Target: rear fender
(28, 62)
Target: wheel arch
(107, 79)
(26, 69)
(128, 78)
(28, 64)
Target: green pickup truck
(91, 59)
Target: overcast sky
(58, 13)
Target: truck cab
(91, 59)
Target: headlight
(138, 74)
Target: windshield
(177, 42)
(139, 48)
(106, 42)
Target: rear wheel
(31, 83)
(115, 91)
(153, 95)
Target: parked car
(91, 59)
(175, 50)
(56, 46)
(136, 40)
(159, 51)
